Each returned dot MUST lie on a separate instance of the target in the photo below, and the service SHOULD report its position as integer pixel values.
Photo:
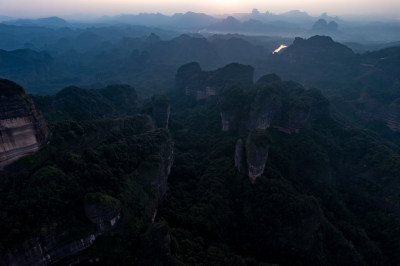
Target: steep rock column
(228, 120)
(257, 147)
(239, 155)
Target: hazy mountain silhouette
(188, 20)
(5, 18)
(252, 26)
(50, 22)
(321, 26)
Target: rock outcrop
(239, 155)
(199, 84)
(61, 243)
(102, 210)
(22, 130)
(257, 147)
(228, 120)
(251, 157)
(284, 105)
(392, 118)
(49, 248)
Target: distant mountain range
(49, 22)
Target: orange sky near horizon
(37, 8)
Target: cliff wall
(22, 130)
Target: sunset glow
(29, 8)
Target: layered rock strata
(22, 130)
(251, 157)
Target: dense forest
(327, 193)
(131, 144)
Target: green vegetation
(104, 162)
(102, 201)
(81, 104)
(313, 205)
(328, 195)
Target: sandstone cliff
(200, 84)
(22, 130)
(284, 105)
(142, 188)
(50, 247)
(251, 157)
(257, 147)
(102, 210)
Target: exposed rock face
(155, 172)
(257, 147)
(256, 159)
(228, 121)
(51, 247)
(56, 245)
(205, 84)
(267, 111)
(393, 116)
(297, 117)
(161, 111)
(103, 210)
(251, 157)
(22, 130)
(286, 106)
(239, 155)
(159, 180)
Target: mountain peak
(153, 38)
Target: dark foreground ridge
(255, 174)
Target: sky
(42, 8)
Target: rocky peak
(284, 105)
(187, 75)
(153, 38)
(318, 50)
(231, 73)
(22, 130)
(322, 26)
(205, 84)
